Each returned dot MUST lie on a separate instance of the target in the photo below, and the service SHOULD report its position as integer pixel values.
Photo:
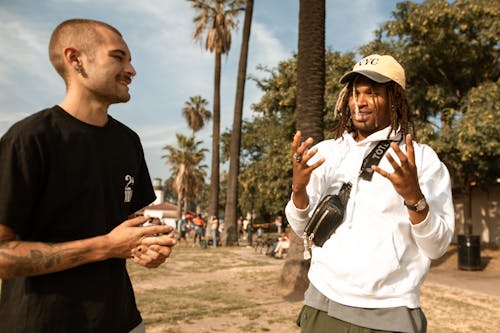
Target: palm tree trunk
(308, 118)
(185, 204)
(213, 198)
(311, 69)
(230, 216)
(186, 197)
(179, 206)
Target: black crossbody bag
(329, 212)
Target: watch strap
(419, 206)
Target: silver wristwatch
(418, 207)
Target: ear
(72, 58)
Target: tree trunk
(179, 206)
(311, 69)
(308, 118)
(213, 197)
(230, 216)
(185, 196)
(294, 273)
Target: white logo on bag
(128, 188)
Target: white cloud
(23, 45)
(265, 47)
(157, 136)
(27, 81)
(351, 23)
(171, 67)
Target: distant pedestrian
(199, 229)
(278, 221)
(183, 231)
(214, 227)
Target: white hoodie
(376, 258)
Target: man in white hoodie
(366, 277)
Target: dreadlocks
(396, 99)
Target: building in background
(165, 211)
(160, 193)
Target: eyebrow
(123, 53)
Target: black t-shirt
(62, 180)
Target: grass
(236, 290)
(216, 286)
(452, 310)
(190, 303)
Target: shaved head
(81, 34)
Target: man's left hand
(404, 178)
(154, 250)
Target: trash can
(469, 252)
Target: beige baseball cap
(379, 68)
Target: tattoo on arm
(45, 258)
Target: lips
(361, 116)
(125, 80)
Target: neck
(85, 109)
(358, 136)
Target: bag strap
(344, 193)
(373, 158)
(366, 172)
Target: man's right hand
(301, 170)
(23, 258)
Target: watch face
(421, 204)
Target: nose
(361, 99)
(130, 69)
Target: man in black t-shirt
(71, 178)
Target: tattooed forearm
(28, 259)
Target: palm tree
(311, 69)
(308, 116)
(231, 212)
(196, 113)
(185, 165)
(216, 19)
(196, 116)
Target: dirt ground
(237, 290)
(486, 280)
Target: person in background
(183, 231)
(246, 221)
(366, 277)
(239, 225)
(199, 229)
(179, 222)
(282, 245)
(260, 232)
(249, 230)
(278, 223)
(214, 227)
(71, 178)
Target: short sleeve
(20, 180)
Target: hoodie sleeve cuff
(423, 228)
(297, 213)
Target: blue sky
(170, 66)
